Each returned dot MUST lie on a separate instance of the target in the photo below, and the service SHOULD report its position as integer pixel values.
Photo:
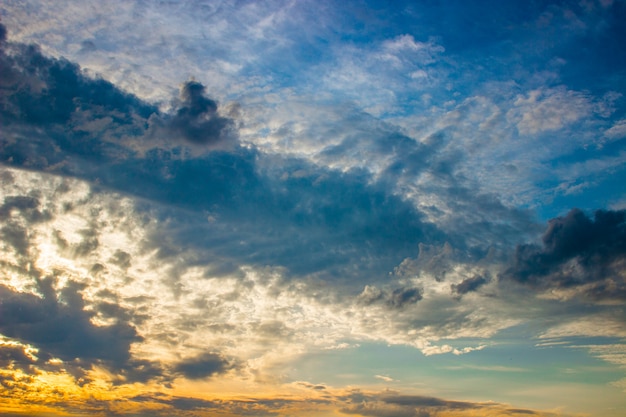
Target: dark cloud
(521, 411)
(60, 327)
(121, 259)
(269, 210)
(421, 401)
(16, 357)
(395, 299)
(3, 33)
(265, 214)
(312, 386)
(26, 206)
(263, 217)
(197, 119)
(16, 236)
(577, 252)
(88, 243)
(178, 403)
(403, 296)
(392, 404)
(469, 285)
(203, 366)
(53, 115)
(45, 91)
(16, 213)
(245, 407)
(88, 46)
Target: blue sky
(300, 208)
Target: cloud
(16, 213)
(203, 366)
(392, 404)
(89, 120)
(197, 119)
(395, 299)
(134, 149)
(59, 327)
(579, 253)
(617, 131)
(548, 110)
(381, 77)
(468, 285)
(420, 401)
(207, 256)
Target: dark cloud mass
(203, 366)
(197, 119)
(577, 252)
(91, 119)
(3, 33)
(394, 299)
(89, 129)
(16, 213)
(60, 327)
(469, 285)
(403, 296)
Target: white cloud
(617, 131)
(590, 326)
(544, 110)
(375, 76)
(612, 353)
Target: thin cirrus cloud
(322, 204)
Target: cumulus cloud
(579, 253)
(197, 119)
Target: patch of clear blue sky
(501, 372)
(509, 360)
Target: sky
(312, 208)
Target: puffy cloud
(197, 120)
(580, 253)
